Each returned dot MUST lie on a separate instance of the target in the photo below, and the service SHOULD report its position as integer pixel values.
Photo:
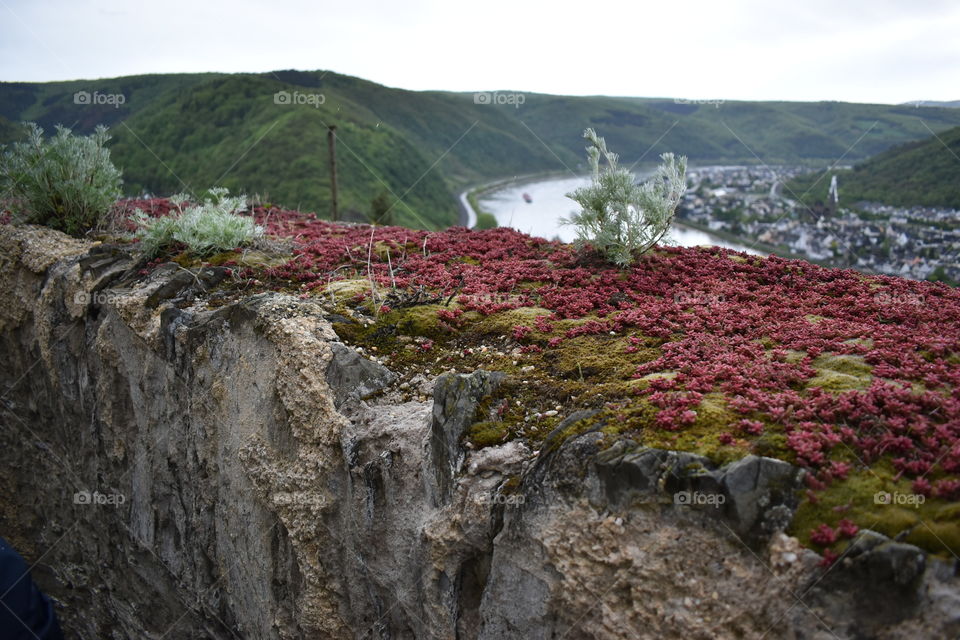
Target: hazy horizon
(876, 53)
(690, 98)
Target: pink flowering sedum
(759, 333)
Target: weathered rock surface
(455, 400)
(238, 472)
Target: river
(541, 216)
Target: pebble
(550, 413)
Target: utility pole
(332, 144)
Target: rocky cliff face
(181, 469)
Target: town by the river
(748, 208)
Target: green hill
(191, 131)
(925, 172)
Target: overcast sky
(858, 51)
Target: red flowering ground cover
(854, 377)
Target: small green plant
(620, 218)
(66, 182)
(206, 228)
(381, 209)
(486, 220)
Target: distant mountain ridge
(266, 133)
(950, 104)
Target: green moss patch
(601, 358)
(251, 258)
(862, 497)
(838, 373)
(703, 436)
(487, 433)
(339, 290)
